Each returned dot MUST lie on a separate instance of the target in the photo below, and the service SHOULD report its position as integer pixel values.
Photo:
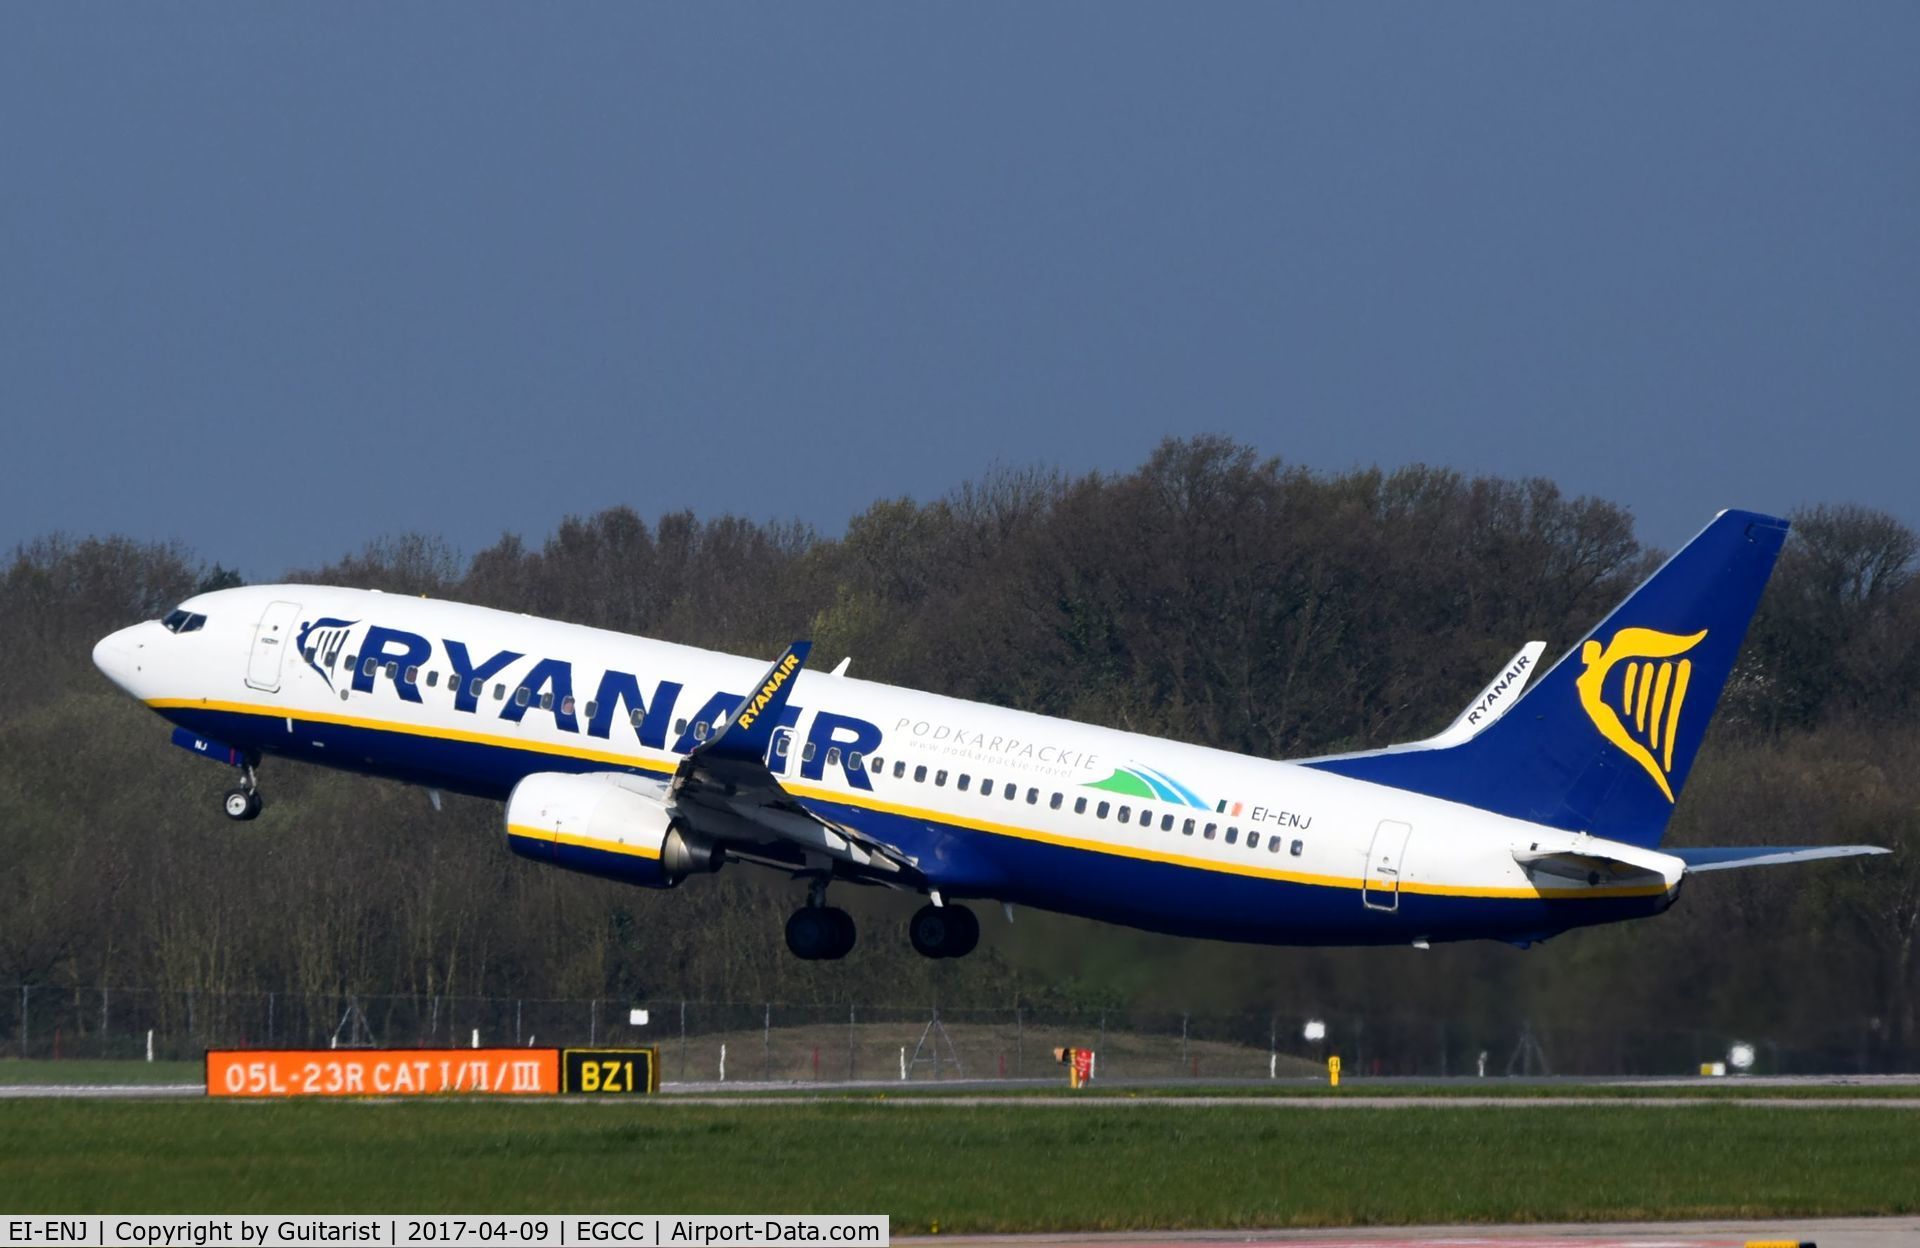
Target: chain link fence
(704, 1041)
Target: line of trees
(1210, 595)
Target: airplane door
(272, 638)
(1380, 889)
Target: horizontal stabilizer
(1716, 859)
(1595, 860)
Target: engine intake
(608, 824)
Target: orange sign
(382, 1072)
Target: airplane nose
(113, 655)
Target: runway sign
(382, 1072)
(610, 1072)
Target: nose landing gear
(944, 931)
(243, 804)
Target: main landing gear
(944, 931)
(243, 803)
(818, 932)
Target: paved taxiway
(1898, 1232)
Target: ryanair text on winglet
(760, 700)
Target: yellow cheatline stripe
(527, 833)
(923, 814)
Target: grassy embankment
(993, 1168)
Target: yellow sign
(1650, 695)
(610, 1072)
(1333, 1071)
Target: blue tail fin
(1604, 741)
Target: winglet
(1492, 701)
(749, 728)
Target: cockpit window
(180, 620)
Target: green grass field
(15, 1073)
(994, 1168)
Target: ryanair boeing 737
(648, 762)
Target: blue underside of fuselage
(968, 862)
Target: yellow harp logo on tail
(1651, 693)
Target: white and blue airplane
(1541, 809)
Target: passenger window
(877, 766)
(309, 652)
(1253, 840)
(780, 744)
(1055, 803)
(940, 779)
(986, 788)
(393, 671)
(1126, 814)
(433, 680)
(499, 693)
(919, 775)
(899, 769)
(522, 696)
(1010, 791)
(853, 759)
(700, 731)
(1186, 829)
(679, 725)
(413, 675)
(1166, 823)
(367, 668)
(1079, 805)
(348, 665)
(806, 755)
(963, 782)
(546, 701)
(1208, 833)
(1146, 817)
(473, 690)
(1100, 811)
(593, 710)
(1033, 797)
(833, 756)
(1233, 834)
(1273, 844)
(1296, 847)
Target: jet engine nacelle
(608, 824)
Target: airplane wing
(724, 789)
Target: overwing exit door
(1380, 888)
(272, 638)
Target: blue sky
(276, 279)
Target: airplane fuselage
(981, 801)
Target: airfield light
(1740, 1056)
(1316, 1030)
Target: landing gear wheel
(944, 931)
(844, 934)
(820, 933)
(241, 804)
